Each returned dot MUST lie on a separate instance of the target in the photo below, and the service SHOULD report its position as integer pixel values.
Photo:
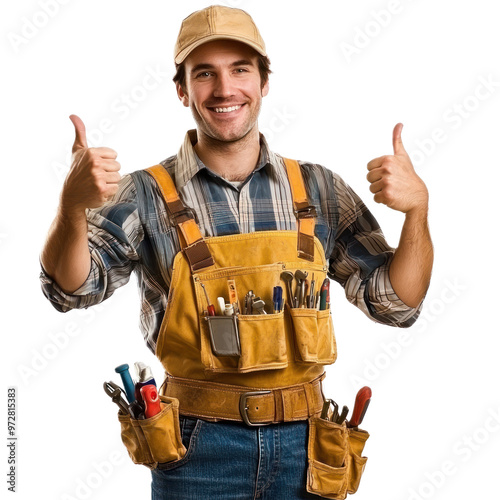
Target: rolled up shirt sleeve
(360, 262)
(114, 233)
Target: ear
(183, 97)
(265, 88)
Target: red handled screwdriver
(210, 307)
(151, 400)
(363, 399)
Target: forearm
(65, 256)
(410, 270)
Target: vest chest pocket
(313, 333)
(263, 343)
(314, 336)
(261, 337)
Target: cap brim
(179, 58)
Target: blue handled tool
(277, 299)
(128, 383)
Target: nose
(224, 86)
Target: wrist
(418, 212)
(68, 208)
(420, 208)
(71, 214)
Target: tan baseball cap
(217, 22)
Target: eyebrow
(206, 66)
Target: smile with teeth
(227, 110)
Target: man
(226, 174)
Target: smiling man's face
(223, 89)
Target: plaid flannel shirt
(132, 232)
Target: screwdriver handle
(151, 400)
(363, 399)
(128, 383)
(210, 307)
(323, 295)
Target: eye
(241, 70)
(204, 74)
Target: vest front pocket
(314, 336)
(261, 338)
(263, 344)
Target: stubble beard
(216, 137)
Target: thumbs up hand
(394, 180)
(93, 176)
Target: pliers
(115, 393)
(335, 417)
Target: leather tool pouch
(156, 440)
(258, 341)
(335, 464)
(254, 341)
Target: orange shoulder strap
(192, 243)
(304, 212)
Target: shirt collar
(188, 164)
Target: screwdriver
(210, 307)
(363, 399)
(311, 293)
(151, 400)
(128, 383)
(233, 296)
(323, 295)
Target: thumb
(397, 143)
(80, 134)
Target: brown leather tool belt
(213, 401)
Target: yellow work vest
(276, 349)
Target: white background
(435, 400)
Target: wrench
(287, 277)
(259, 305)
(299, 276)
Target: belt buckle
(244, 407)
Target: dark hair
(264, 70)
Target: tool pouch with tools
(156, 440)
(335, 464)
(260, 339)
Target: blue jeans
(230, 460)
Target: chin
(229, 136)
